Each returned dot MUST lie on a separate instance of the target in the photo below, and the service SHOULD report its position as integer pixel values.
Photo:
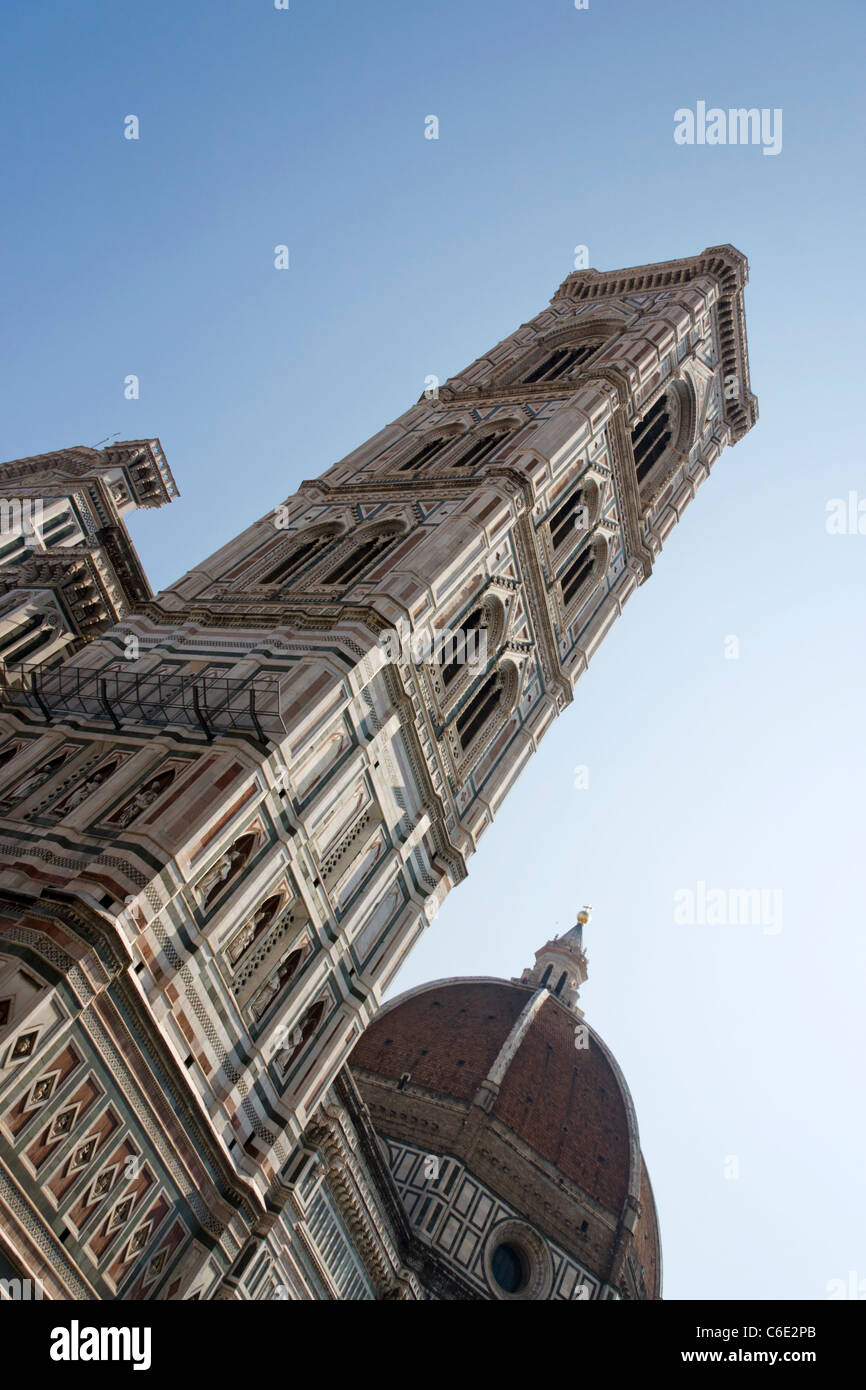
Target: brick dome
(501, 1057)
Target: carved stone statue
(37, 777)
(143, 798)
(88, 787)
(219, 872)
(275, 984)
(225, 867)
(254, 926)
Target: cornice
(729, 269)
(515, 393)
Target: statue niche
(252, 930)
(143, 799)
(21, 790)
(300, 1035)
(226, 868)
(278, 982)
(87, 787)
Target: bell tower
(227, 820)
(561, 964)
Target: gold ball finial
(584, 915)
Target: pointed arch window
(577, 574)
(301, 555)
(560, 362)
(480, 448)
(54, 524)
(572, 520)
(479, 709)
(426, 453)
(651, 437)
(359, 558)
(40, 639)
(22, 630)
(12, 549)
(575, 516)
(65, 533)
(462, 642)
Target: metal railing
(126, 699)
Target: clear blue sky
(411, 256)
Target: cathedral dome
(509, 1080)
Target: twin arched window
(308, 550)
(668, 427)
(426, 453)
(573, 521)
(560, 355)
(481, 714)
(466, 450)
(545, 980)
(301, 554)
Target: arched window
(12, 549)
(460, 450)
(560, 982)
(480, 448)
(52, 527)
(562, 523)
(651, 437)
(64, 534)
(462, 640)
(299, 556)
(560, 362)
(577, 574)
(426, 452)
(22, 630)
(546, 976)
(40, 639)
(481, 708)
(9, 751)
(478, 710)
(573, 519)
(359, 558)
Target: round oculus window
(508, 1267)
(517, 1262)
